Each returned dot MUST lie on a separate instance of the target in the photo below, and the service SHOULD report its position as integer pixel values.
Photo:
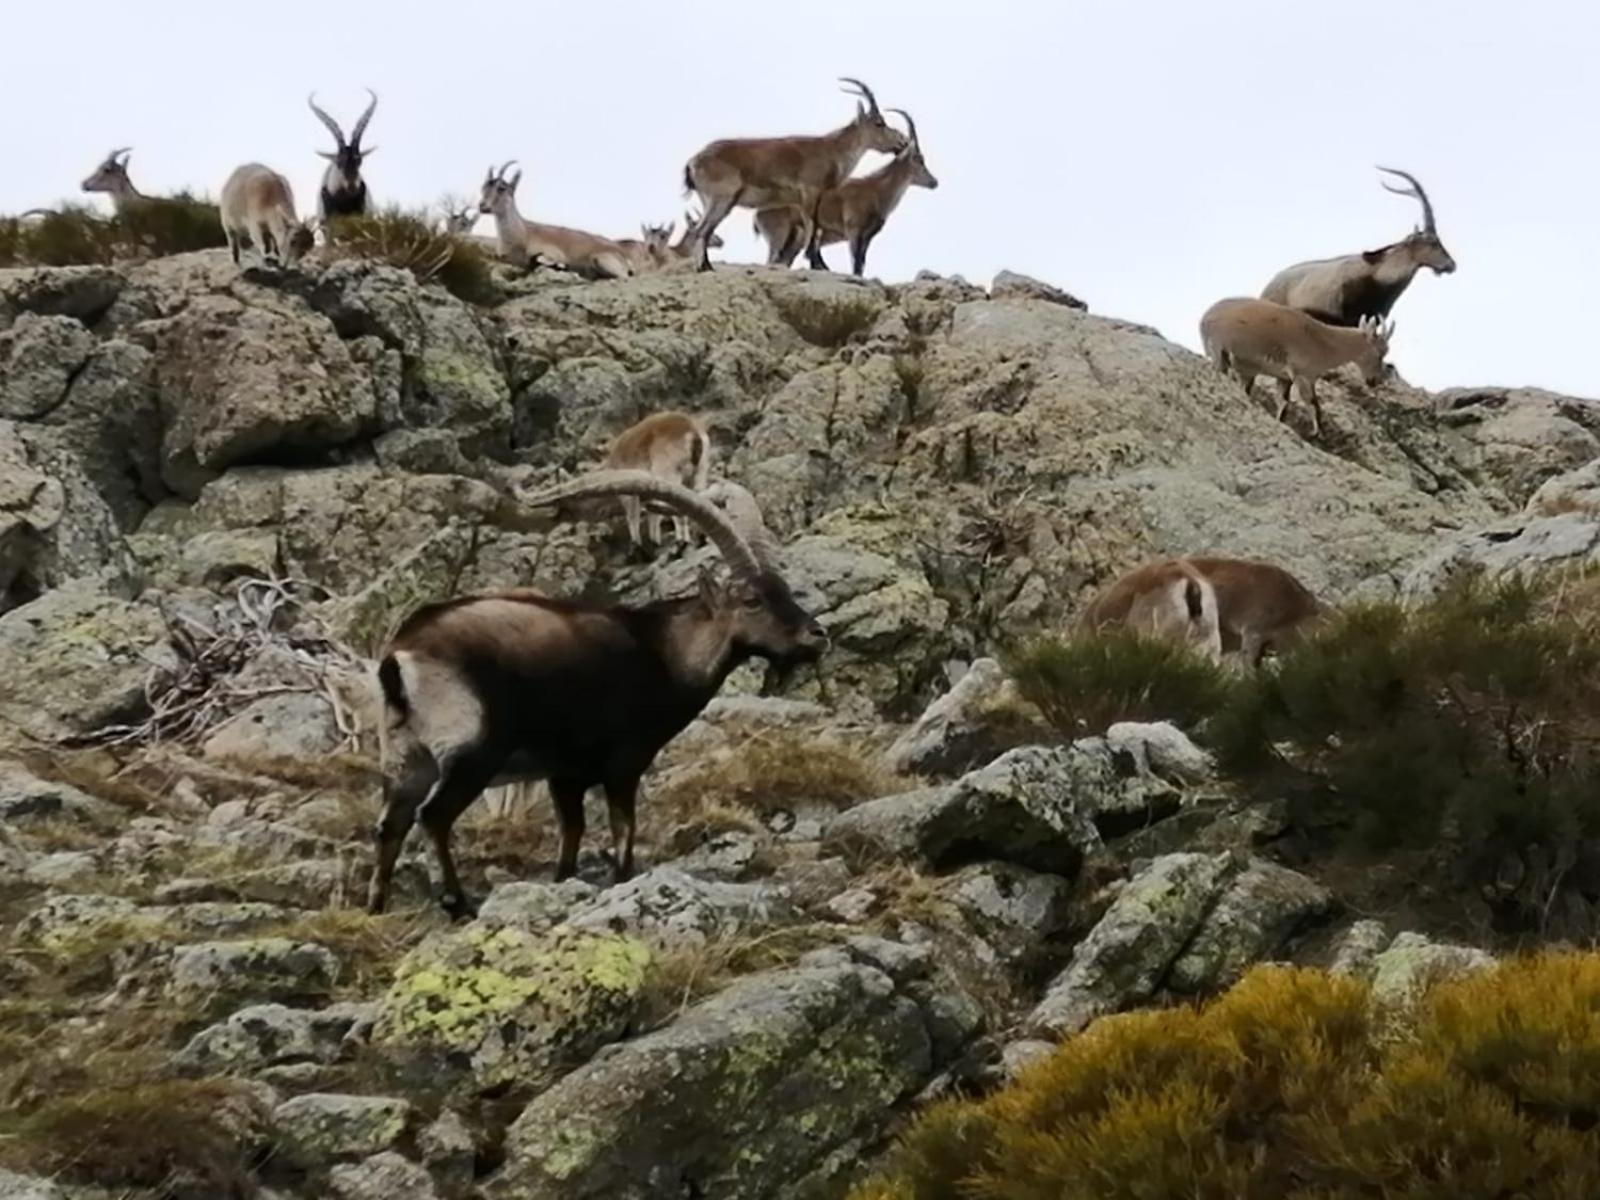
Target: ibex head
(880, 135)
(112, 174)
(498, 191)
(459, 219)
(1422, 244)
(912, 155)
(1377, 335)
(347, 156)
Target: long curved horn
(911, 126)
(1415, 190)
(736, 552)
(361, 122)
(333, 126)
(745, 512)
(862, 90)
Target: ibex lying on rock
(523, 241)
(1257, 337)
(853, 212)
(258, 207)
(515, 686)
(1169, 599)
(668, 445)
(111, 177)
(344, 191)
(650, 254)
(1365, 286)
(773, 172)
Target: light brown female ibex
(853, 212)
(1365, 286)
(522, 241)
(669, 445)
(258, 207)
(1168, 599)
(771, 172)
(1257, 337)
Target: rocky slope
(218, 491)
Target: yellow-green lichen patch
(515, 1004)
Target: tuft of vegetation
(1086, 682)
(1466, 727)
(77, 235)
(828, 320)
(1278, 1088)
(410, 241)
(683, 973)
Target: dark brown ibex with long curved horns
(506, 686)
(772, 172)
(1365, 286)
(344, 191)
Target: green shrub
(1086, 682)
(1466, 727)
(1277, 1089)
(77, 235)
(409, 241)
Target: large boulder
(667, 906)
(1263, 906)
(1524, 435)
(779, 1079)
(514, 1006)
(269, 1035)
(1524, 547)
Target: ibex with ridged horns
(772, 172)
(344, 191)
(854, 212)
(522, 241)
(518, 686)
(1365, 286)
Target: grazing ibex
(771, 172)
(1257, 337)
(853, 212)
(515, 686)
(1358, 287)
(668, 445)
(111, 177)
(344, 191)
(1168, 599)
(522, 241)
(258, 207)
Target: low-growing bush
(1086, 682)
(1466, 727)
(1278, 1089)
(77, 235)
(828, 320)
(410, 241)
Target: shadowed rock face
(946, 473)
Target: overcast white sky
(1150, 156)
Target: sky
(1151, 157)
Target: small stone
(385, 1176)
(260, 968)
(323, 1126)
(1356, 950)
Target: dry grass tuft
(411, 242)
(680, 975)
(368, 947)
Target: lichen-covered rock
(514, 1005)
(532, 905)
(450, 1153)
(269, 968)
(321, 1127)
(667, 906)
(1412, 963)
(1026, 807)
(1126, 955)
(386, 1176)
(267, 1035)
(1525, 546)
(25, 798)
(1262, 907)
(291, 724)
(1355, 951)
(781, 1076)
(1160, 749)
(1524, 435)
(1010, 285)
(82, 292)
(74, 662)
(1014, 910)
(956, 731)
(1572, 491)
(66, 917)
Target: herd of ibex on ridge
(517, 685)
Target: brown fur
(1260, 607)
(1166, 599)
(670, 445)
(257, 206)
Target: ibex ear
(1372, 256)
(514, 180)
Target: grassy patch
(680, 975)
(1087, 682)
(410, 241)
(368, 947)
(1278, 1088)
(828, 320)
(75, 234)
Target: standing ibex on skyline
(772, 172)
(111, 177)
(522, 241)
(1365, 286)
(344, 191)
(258, 207)
(517, 686)
(853, 212)
(1248, 338)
